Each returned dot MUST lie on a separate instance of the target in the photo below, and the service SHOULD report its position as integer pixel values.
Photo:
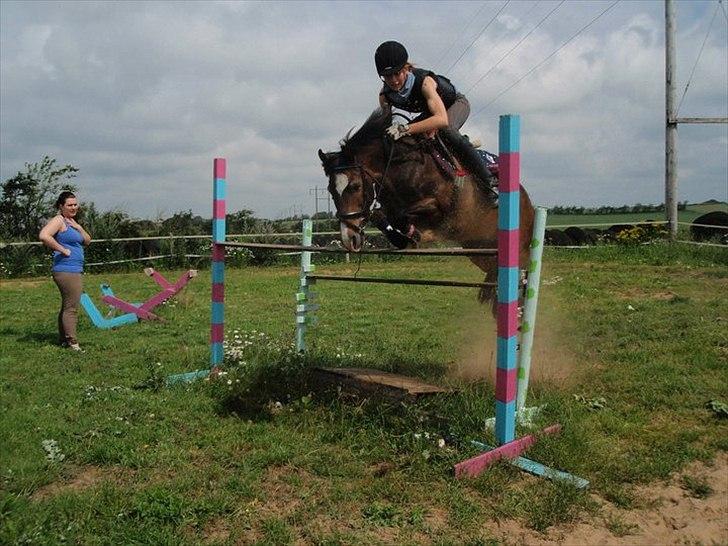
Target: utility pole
(671, 119)
(326, 197)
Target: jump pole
(509, 200)
(506, 385)
(217, 311)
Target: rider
(434, 98)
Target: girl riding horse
(439, 107)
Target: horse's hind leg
(489, 266)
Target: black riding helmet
(390, 57)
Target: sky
(141, 96)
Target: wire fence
(31, 258)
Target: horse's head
(353, 191)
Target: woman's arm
(438, 119)
(47, 233)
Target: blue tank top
(73, 240)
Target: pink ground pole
(475, 465)
(129, 308)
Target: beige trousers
(71, 286)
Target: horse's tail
(487, 294)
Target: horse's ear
(322, 155)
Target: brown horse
(403, 179)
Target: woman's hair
(63, 196)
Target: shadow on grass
(30, 338)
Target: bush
(258, 373)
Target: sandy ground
(676, 518)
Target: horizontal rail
(4, 244)
(147, 258)
(633, 222)
(702, 225)
(696, 243)
(700, 120)
(381, 280)
(172, 237)
(407, 251)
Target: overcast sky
(141, 96)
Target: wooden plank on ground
(370, 382)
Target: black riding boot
(472, 161)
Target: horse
(402, 177)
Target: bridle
(374, 183)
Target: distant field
(688, 215)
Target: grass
(644, 328)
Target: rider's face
(396, 81)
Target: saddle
(453, 169)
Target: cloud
(142, 95)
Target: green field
(631, 344)
(691, 212)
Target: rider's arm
(383, 103)
(438, 119)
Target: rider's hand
(66, 252)
(397, 131)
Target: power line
(514, 47)
(692, 72)
(582, 29)
(478, 36)
(462, 33)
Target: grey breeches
(457, 114)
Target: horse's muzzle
(352, 235)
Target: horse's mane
(373, 128)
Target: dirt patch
(215, 531)
(284, 487)
(677, 517)
(551, 363)
(26, 283)
(636, 294)
(80, 479)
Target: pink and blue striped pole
(509, 198)
(217, 321)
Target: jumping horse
(373, 175)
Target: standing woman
(66, 238)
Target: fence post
(304, 296)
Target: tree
(29, 197)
